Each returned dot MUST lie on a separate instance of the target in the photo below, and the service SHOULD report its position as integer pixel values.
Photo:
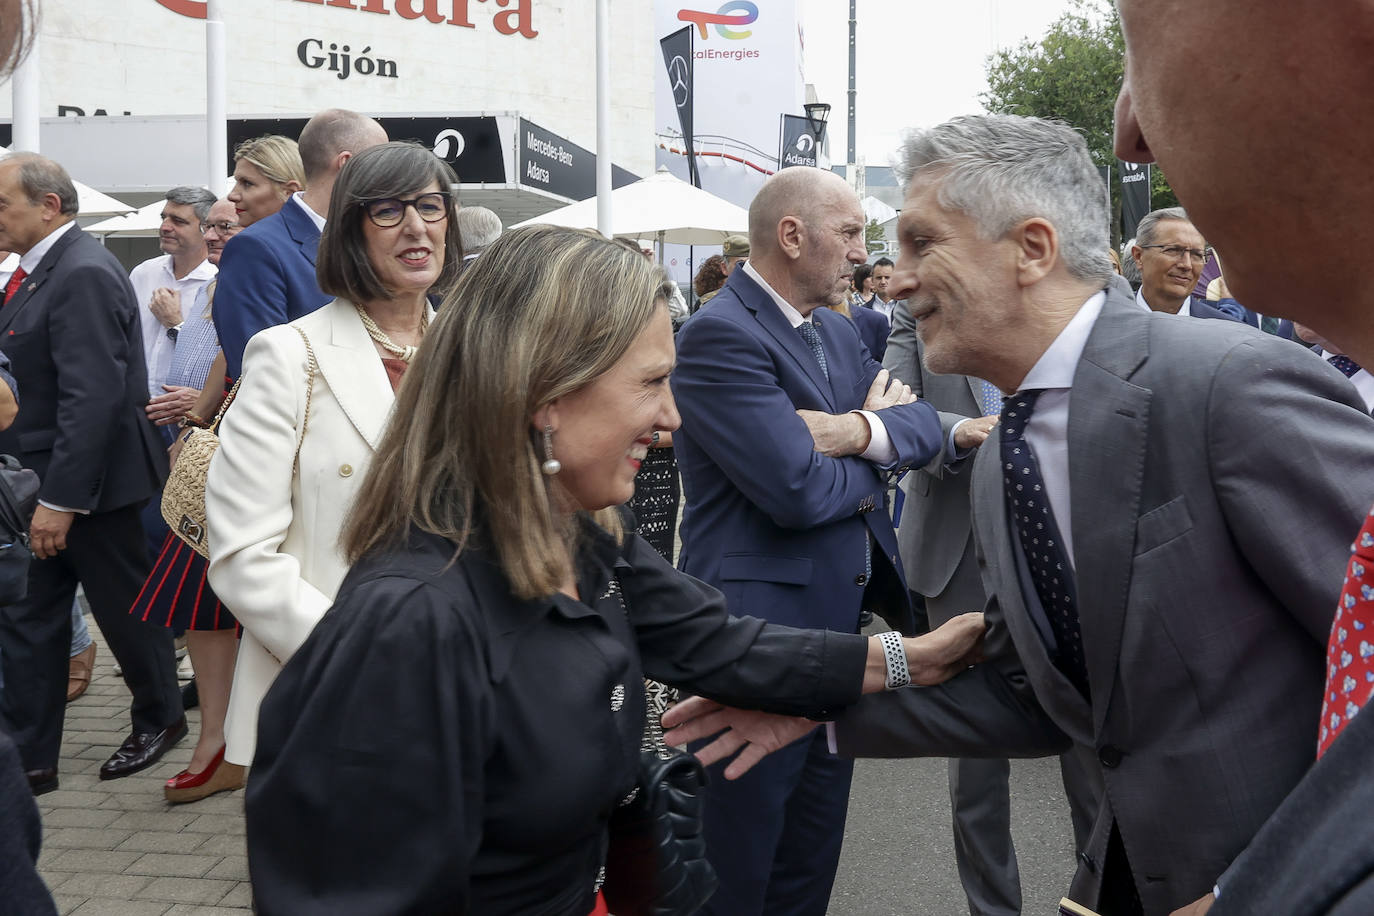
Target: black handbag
(656, 862)
(656, 859)
(18, 498)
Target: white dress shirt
(1186, 311)
(158, 345)
(880, 450)
(1047, 432)
(883, 308)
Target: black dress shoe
(142, 750)
(41, 781)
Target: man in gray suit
(1149, 594)
(935, 541)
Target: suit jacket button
(1109, 756)
(861, 579)
(1088, 861)
(345, 470)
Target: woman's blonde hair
(542, 313)
(277, 157)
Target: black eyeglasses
(223, 227)
(389, 211)
(1176, 252)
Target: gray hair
(40, 176)
(1149, 223)
(479, 226)
(198, 199)
(1002, 169)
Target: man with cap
(736, 252)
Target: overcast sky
(920, 62)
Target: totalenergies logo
(733, 13)
(193, 8)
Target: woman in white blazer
(282, 482)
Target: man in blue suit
(268, 276)
(789, 432)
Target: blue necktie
(813, 339)
(1269, 325)
(1344, 363)
(1029, 506)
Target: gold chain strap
(311, 367)
(405, 354)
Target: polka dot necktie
(813, 339)
(1347, 365)
(1350, 650)
(1033, 518)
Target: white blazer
(274, 554)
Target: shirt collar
(34, 256)
(202, 271)
(299, 197)
(1186, 309)
(794, 317)
(1056, 366)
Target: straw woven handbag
(183, 498)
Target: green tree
(1072, 74)
(873, 237)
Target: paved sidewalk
(117, 848)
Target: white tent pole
(603, 117)
(25, 103)
(216, 96)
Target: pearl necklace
(405, 354)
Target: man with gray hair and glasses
(166, 288)
(1147, 597)
(1170, 254)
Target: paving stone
(182, 909)
(232, 867)
(71, 798)
(229, 845)
(217, 823)
(119, 886)
(84, 838)
(241, 896)
(219, 803)
(102, 861)
(80, 817)
(178, 865)
(186, 890)
(105, 906)
(66, 904)
(172, 820)
(161, 841)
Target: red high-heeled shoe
(217, 777)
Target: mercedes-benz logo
(804, 143)
(448, 145)
(677, 78)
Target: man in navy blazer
(790, 430)
(267, 277)
(71, 329)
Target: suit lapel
(770, 317)
(35, 280)
(350, 365)
(1107, 441)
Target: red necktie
(16, 280)
(1350, 651)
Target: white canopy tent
(661, 207)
